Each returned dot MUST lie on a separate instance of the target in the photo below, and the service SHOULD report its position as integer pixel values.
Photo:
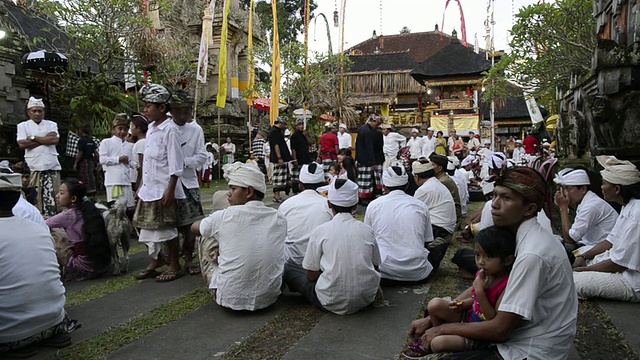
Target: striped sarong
(295, 177)
(369, 179)
(326, 163)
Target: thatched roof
(30, 25)
(454, 59)
(382, 62)
(420, 45)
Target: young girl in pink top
(495, 253)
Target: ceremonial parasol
(265, 104)
(327, 118)
(47, 62)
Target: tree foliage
(550, 43)
(290, 17)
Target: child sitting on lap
(494, 254)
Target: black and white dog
(119, 231)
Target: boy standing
(115, 155)
(163, 166)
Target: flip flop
(146, 274)
(194, 269)
(169, 276)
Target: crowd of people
(527, 281)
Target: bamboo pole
(219, 148)
(195, 104)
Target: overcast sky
(364, 16)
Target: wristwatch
(32, 138)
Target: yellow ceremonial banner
(275, 66)
(384, 110)
(441, 123)
(252, 72)
(221, 100)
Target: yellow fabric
(252, 74)
(221, 99)
(441, 123)
(441, 146)
(117, 191)
(384, 110)
(275, 67)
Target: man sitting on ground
(247, 273)
(440, 163)
(403, 227)
(537, 316)
(611, 269)
(341, 258)
(31, 293)
(442, 210)
(594, 219)
(304, 212)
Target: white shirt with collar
(251, 260)
(344, 140)
(345, 250)
(415, 146)
(42, 157)
(25, 210)
(542, 292)
(594, 220)
(304, 212)
(440, 202)
(193, 151)
(463, 191)
(392, 144)
(162, 159)
(428, 146)
(625, 238)
(115, 172)
(518, 154)
(402, 225)
(473, 143)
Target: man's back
(304, 212)
(344, 249)
(437, 197)
(31, 293)
(251, 261)
(402, 226)
(594, 220)
(541, 290)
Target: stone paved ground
(124, 318)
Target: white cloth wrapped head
(343, 126)
(10, 182)
(619, 172)
(453, 163)
(468, 160)
(245, 175)
(343, 192)
(416, 131)
(312, 174)
(573, 177)
(486, 142)
(421, 165)
(33, 102)
(496, 160)
(395, 176)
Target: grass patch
(116, 337)
(276, 338)
(100, 290)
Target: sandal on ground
(169, 276)
(58, 341)
(194, 269)
(277, 200)
(415, 351)
(23, 353)
(146, 274)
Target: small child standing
(115, 157)
(495, 253)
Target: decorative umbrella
(327, 117)
(45, 61)
(265, 104)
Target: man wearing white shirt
(474, 142)
(242, 246)
(594, 218)
(304, 212)
(392, 144)
(38, 138)
(344, 138)
(415, 144)
(518, 153)
(341, 258)
(428, 143)
(163, 166)
(403, 226)
(536, 318)
(22, 208)
(195, 155)
(115, 156)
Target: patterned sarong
(295, 177)
(87, 172)
(47, 184)
(369, 180)
(190, 208)
(280, 177)
(326, 163)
